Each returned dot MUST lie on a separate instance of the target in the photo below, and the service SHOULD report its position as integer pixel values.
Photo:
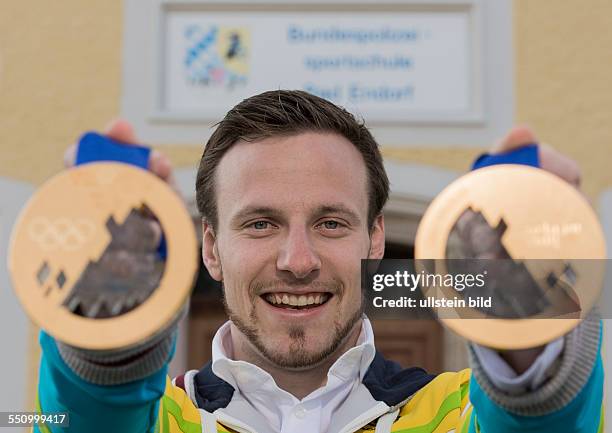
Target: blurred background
(436, 80)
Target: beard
(296, 356)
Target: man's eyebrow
(261, 211)
(338, 208)
(254, 211)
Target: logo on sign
(216, 56)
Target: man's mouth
(296, 302)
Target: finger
(517, 137)
(557, 163)
(70, 156)
(160, 165)
(121, 130)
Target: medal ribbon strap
(94, 147)
(525, 155)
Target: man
(291, 190)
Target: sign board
(383, 66)
(419, 72)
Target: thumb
(121, 130)
(517, 137)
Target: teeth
(296, 300)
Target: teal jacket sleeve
(571, 401)
(130, 407)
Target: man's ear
(210, 252)
(377, 238)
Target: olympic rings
(64, 233)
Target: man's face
(292, 230)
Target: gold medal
(74, 229)
(538, 223)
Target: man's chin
(290, 355)
(299, 346)
(301, 349)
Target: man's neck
(298, 382)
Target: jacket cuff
(505, 378)
(116, 367)
(581, 348)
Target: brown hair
(286, 113)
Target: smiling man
(291, 190)
(287, 221)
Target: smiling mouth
(296, 302)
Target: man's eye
(260, 225)
(331, 225)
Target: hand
(551, 160)
(554, 162)
(129, 269)
(121, 130)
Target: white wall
(14, 325)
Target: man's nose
(297, 255)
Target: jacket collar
(249, 378)
(385, 380)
